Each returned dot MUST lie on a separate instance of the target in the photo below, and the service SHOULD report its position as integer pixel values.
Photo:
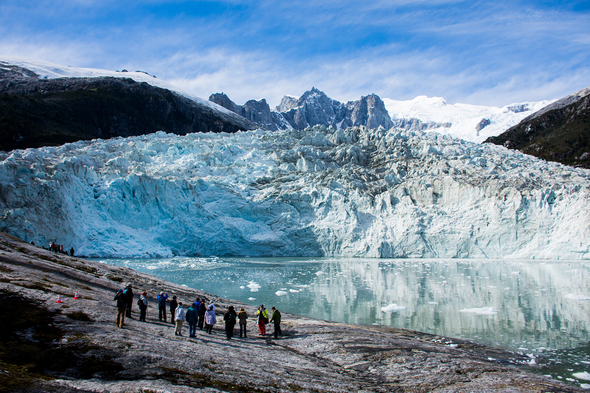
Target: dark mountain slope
(559, 132)
(43, 112)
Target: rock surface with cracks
(74, 346)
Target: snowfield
(462, 120)
(317, 192)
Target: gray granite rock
(91, 354)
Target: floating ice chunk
(393, 308)
(584, 375)
(319, 273)
(293, 291)
(251, 299)
(432, 302)
(577, 297)
(242, 287)
(254, 287)
(480, 311)
(585, 386)
(280, 293)
(533, 361)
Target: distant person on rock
(243, 317)
(210, 318)
(262, 319)
(179, 316)
(128, 292)
(173, 305)
(162, 297)
(202, 311)
(143, 305)
(72, 251)
(276, 319)
(192, 317)
(230, 322)
(121, 307)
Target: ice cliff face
(317, 192)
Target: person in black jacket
(173, 305)
(121, 307)
(143, 305)
(230, 322)
(202, 311)
(128, 292)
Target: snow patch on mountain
(48, 70)
(470, 122)
(316, 192)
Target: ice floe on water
(254, 287)
(480, 311)
(584, 375)
(577, 297)
(393, 308)
(280, 293)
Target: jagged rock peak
(223, 100)
(314, 107)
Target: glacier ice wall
(317, 192)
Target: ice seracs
(315, 192)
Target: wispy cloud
(477, 52)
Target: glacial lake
(538, 308)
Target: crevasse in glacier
(317, 192)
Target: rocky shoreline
(74, 346)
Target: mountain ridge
(37, 111)
(558, 132)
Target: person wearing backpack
(192, 317)
(262, 318)
(121, 307)
(143, 305)
(230, 321)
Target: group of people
(59, 248)
(198, 314)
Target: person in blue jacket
(162, 297)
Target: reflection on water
(538, 308)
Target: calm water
(539, 308)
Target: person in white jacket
(179, 316)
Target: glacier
(318, 192)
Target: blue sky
(477, 52)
